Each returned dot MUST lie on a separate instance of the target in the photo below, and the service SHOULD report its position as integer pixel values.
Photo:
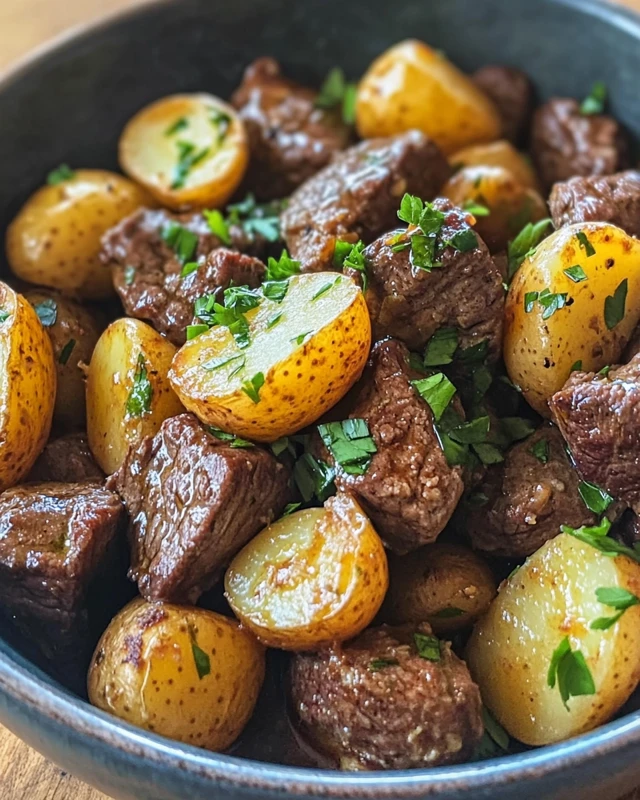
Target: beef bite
(194, 501)
(290, 138)
(512, 93)
(66, 459)
(358, 195)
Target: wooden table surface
(24, 24)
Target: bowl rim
(29, 686)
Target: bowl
(68, 103)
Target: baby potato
(27, 387)
(552, 597)
(510, 204)
(55, 239)
(446, 585)
(73, 331)
(497, 154)
(128, 392)
(304, 354)
(411, 86)
(182, 672)
(312, 578)
(590, 272)
(188, 150)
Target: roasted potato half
(573, 304)
(497, 154)
(55, 239)
(304, 354)
(411, 86)
(188, 150)
(128, 393)
(446, 585)
(27, 387)
(518, 655)
(311, 578)
(185, 673)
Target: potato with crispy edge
(128, 393)
(314, 577)
(550, 597)
(304, 354)
(54, 240)
(592, 272)
(497, 154)
(27, 387)
(410, 86)
(188, 150)
(182, 672)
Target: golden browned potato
(446, 585)
(27, 387)
(313, 577)
(573, 304)
(510, 204)
(74, 331)
(128, 392)
(304, 354)
(188, 150)
(412, 86)
(55, 239)
(554, 657)
(497, 154)
(182, 672)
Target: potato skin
(112, 371)
(552, 596)
(497, 154)
(446, 585)
(55, 239)
(144, 671)
(312, 578)
(539, 354)
(412, 86)
(27, 387)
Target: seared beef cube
(512, 93)
(566, 142)
(194, 501)
(147, 271)
(67, 459)
(290, 139)
(358, 195)
(599, 417)
(411, 303)
(609, 198)
(409, 490)
(381, 702)
(522, 502)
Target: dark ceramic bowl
(69, 103)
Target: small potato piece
(553, 596)
(73, 331)
(312, 578)
(310, 349)
(540, 353)
(188, 150)
(182, 672)
(511, 204)
(497, 154)
(55, 239)
(27, 387)
(412, 86)
(446, 585)
(128, 392)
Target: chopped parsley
(179, 125)
(129, 275)
(614, 305)
(595, 499)
(495, 740)
(189, 267)
(47, 312)
(324, 289)
(379, 664)
(597, 536)
(274, 320)
(139, 400)
(589, 249)
(550, 301)
(441, 347)
(516, 428)
(237, 301)
(488, 453)
(252, 387)
(348, 255)
(188, 158)
(616, 598)
(569, 670)
(222, 121)
(540, 450)
(449, 613)
(290, 508)
(473, 432)
(350, 443)
(275, 290)
(256, 219)
(604, 371)
(313, 478)
(282, 268)
(217, 225)
(575, 273)
(337, 92)
(201, 659)
(428, 647)
(426, 222)
(193, 331)
(66, 351)
(437, 391)
(183, 242)
(298, 340)
(230, 438)
(217, 363)
(464, 240)
(576, 366)
(4, 315)
(524, 245)
(595, 101)
(475, 208)
(60, 175)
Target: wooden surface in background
(24, 24)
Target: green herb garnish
(60, 175)
(614, 305)
(379, 664)
(569, 670)
(441, 347)
(217, 363)
(282, 268)
(188, 158)
(201, 659)
(575, 273)
(66, 351)
(476, 209)
(616, 598)
(524, 245)
(313, 478)
(256, 219)
(464, 240)
(589, 249)
(274, 320)
(179, 125)
(350, 443)
(428, 647)
(47, 312)
(183, 242)
(139, 400)
(437, 391)
(230, 438)
(252, 387)
(192, 331)
(595, 499)
(222, 121)
(595, 101)
(540, 450)
(576, 366)
(217, 225)
(189, 267)
(336, 91)
(348, 255)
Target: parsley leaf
(189, 268)
(47, 312)
(523, 246)
(614, 305)
(379, 664)
(188, 158)
(201, 659)
(576, 366)
(183, 242)
(589, 249)
(437, 391)
(550, 301)
(256, 219)
(222, 121)
(129, 274)
(428, 647)
(139, 400)
(290, 508)
(275, 290)
(540, 450)
(252, 387)
(232, 439)
(595, 101)
(301, 337)
(324, 289)
(193, 331)
(60, 175)
(575, 273)
(488, 453)
(618, 599)
(449, 613)
(313, 478)
(595, 499)
(66, 351)
(569, 670)
(464, 240)
(350, 443)
(428, 221)
(597, 536)
(335, 91)
(4, 315)
(473, 432)
(441, 347)
(475, 208)
(217, 225)
(347, 255)
(179, 125)
(282, 268)
(217, 363)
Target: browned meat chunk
(358, 195)
(566, 142)
(289, 137)
(146, 270)
(194, 501)
(66, 460)
(524, 501)
(376, 703)
(411, 303)
(609, 198)
(512, 92)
